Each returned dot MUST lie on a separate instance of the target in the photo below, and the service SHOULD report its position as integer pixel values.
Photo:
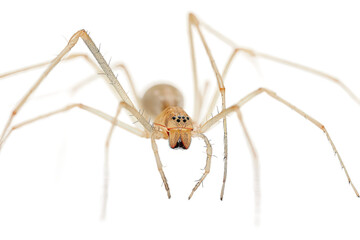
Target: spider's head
(177, 124)
(180, 127)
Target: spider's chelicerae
(164, 104)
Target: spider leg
(156, 134)
(114, 83)
(280, 61)
(86, 81)
(114, 121)
(256, 168)
(94, 111)
(71, 57)
(272, 94)
(193, 21)
(106, 162)
(119, 66)
(230, 60)
(208, 161)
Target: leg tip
(190, 196)
(193, 19)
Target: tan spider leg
(281, 61)
(128, 77)
(256, 167)
(272, 94)
(71, 57)
(154, 135)
(105, 67)
(131, 82)
(193, 21)
(224, 73)
(106, 162)
(216, 94)
(252, 149)
(103, 115)
(87, 80)
(314, 71)
(114, 122)
(208, 161)
(197, 97)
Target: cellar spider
(164, 103)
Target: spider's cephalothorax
(176, 125)
(165, 102)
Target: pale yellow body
(164, 102)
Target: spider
(164, 103)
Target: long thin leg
(92, 64)
(103, 115)
(197, 98)
(38, 65)
(131, 82)
(281, 61)
(253, 151)
(272, 94)
(208, 161)
(116, 86)
(122, 67)
(114, 121)
(256, 168)
(155, 134)
(106, 163)
(216, 94)
(193, 21)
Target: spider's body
(165, 103)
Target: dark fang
(179, 144)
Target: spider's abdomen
(159, 97)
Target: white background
(51, 171)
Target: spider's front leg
(273, 95)
(208, 161)
(194, 23)
(156, 135)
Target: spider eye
(178, 120)
(187, 118)
(174, 118)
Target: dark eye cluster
(179, 118)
